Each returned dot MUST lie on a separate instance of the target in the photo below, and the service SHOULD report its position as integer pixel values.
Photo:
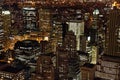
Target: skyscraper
(113, 33)
(109, 65)
(6, 26)
(30, 19)
(44, 69)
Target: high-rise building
(44, 69)
(6, 26)
(70, 45)
(16, 20)
(57, 32)
(44, 22)
(108, 66)
(78, 29)
(56, 37)
(70, 42)
(6, 17)
(113, 34)
(1, 30)
(30, 18)
(62, 63)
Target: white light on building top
(46, 38)
(6, 12)
(28, 8)
(96, 12)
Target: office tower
(6, 17)
(62, 63)
(30, 18)
(112, 40)
(56, 37)
(78, 29)
(70, 41)
(57, 32)
(70, 45)
(1, 30)
(6, 23)
(45, 26)
(108, 66)
(44, 22)
(16, 20)
(44, 69)
(67, 63)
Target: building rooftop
(51, 54)
(111, 58)
(27, 43)
(3, 63)
(82, 53)
(12, 69)
(98, 78)
(89, 65)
